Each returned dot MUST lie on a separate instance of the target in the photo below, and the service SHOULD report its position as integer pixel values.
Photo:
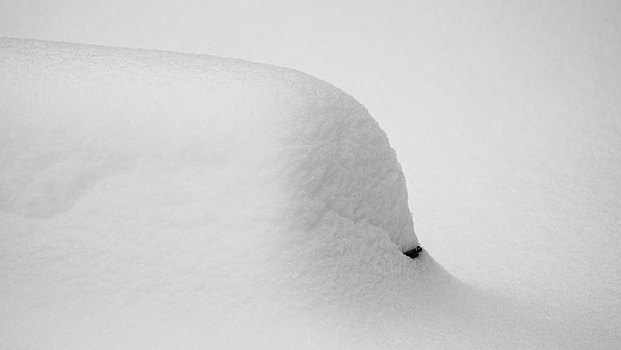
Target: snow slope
(156, 199)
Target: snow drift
(131, 173)
(160, 199)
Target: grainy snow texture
(144, 184)
(161, 200)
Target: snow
(504, 116)
(155, 199)
(154, 182)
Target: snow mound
(140, 185)
(76, 117)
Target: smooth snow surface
(161, 200)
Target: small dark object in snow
(414, 252)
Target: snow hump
(213, 137)
(144, 190)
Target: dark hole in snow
(413, 253)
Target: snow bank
(138, 178)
